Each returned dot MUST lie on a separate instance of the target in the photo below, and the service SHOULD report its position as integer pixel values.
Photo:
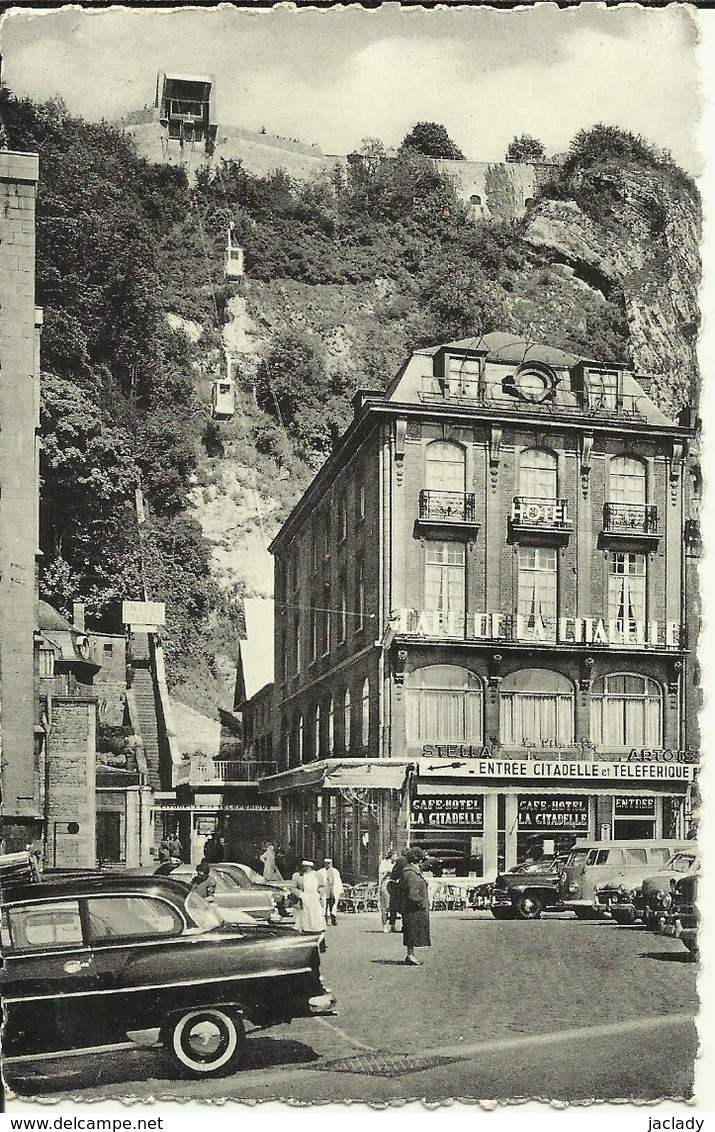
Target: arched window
(316, 733)
(536, 708)
(331, 727)
(538, 475)
(346, 720)
(365, 721)
(475, 199)
(444, 705)
(626, 480)
(446, 466)
(626, 711)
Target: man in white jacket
(331, 889)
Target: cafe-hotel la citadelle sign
(518, 627)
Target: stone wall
(71, 817)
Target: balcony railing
(221, 772)
(638, 519)
(447, 507)
(536, 513)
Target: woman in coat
(415, 906)
(309, 914)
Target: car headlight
(622, 890)
(666, 900)
(634, 893)
(573, 887)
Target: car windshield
(202, 913)
(230, 878)
(251, 874)
(577, 858)
(682, 862)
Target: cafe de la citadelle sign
(517, 627)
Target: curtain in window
(626, 480)
(346, 720)
(627, 588)
(445, 467)
(538, 474)
(536, 707)
(331, 727)
(537, 586)
(445, 576)
(444, 704)
(626, 711)
(316, 734)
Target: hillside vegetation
(345, 273)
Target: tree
(432, 140)
(525, 148)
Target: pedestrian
(384, 872)
(176, 849)
(331, 889)
(309, 915)
(396, 890)
(164, 854)
(202, 882)
(271, 872)
(214, 849)
(415, 906)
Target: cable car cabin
(223, 399)
(185, 105)
(233, 268)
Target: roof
(173, 76)
(49, 618)
(88, 882)
(497, 346)
(255, 653)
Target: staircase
(143, 706)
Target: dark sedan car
(90, 962)
(683, 917)
(528, 890)
(235, 890)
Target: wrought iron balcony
(447, 509)
(534, 515)
(631, 521)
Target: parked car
(235, 890)
(597, 862)
(528, 890)
(91, 961)
(682, 918)
(629, 898)
(654, 898)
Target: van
(592, 863)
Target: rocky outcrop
(630, 232)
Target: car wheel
(528, 907)
(208, 1042)
(502, 913)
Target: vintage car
(682, 918)
(630, 898)
(235, 890)
(593, 864)
(528, 890)
(90, 962)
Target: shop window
(626, 480)
(536, 709)
(536, 600)
(626, 711)
(445, 577)
(538, 477)
(446, 467)
(346, 720)
(627, 590)
(444, 705)
(365, 735)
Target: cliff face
(630, 231)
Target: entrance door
(109, 841)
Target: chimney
(78, 615)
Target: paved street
(554, 1009)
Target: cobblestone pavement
(555, 1009)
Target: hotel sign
(552, 811)
(540, 769)
(447, 812)
(515, 627)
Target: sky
(333, 77)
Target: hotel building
(481, 631)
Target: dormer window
(604, 389)
(462, 376)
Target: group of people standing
(403, 891)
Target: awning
(334, 774)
